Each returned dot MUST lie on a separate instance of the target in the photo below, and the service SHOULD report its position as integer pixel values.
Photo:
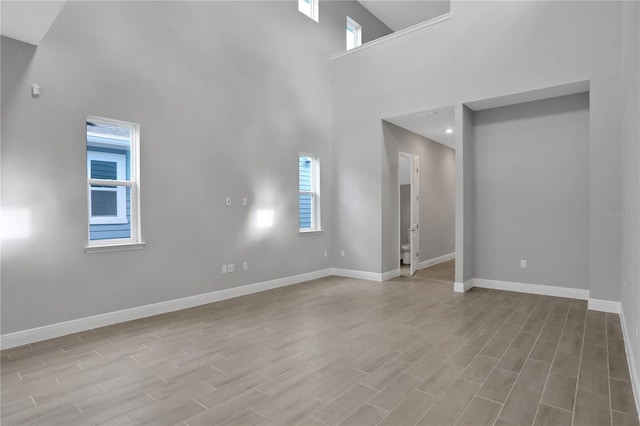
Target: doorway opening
(409, 212)
(422, 208)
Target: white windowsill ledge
(310, 231)
(114, 247)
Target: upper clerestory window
(309, 8)
(354, 34)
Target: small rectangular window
(354, 34)
(309, 193)
(309, 8)
(112, 182)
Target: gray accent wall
(437, 193)
(492, 49)
(226, 94)
(630, 189)
(531, 192)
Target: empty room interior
(318, 212)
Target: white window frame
(121, 170)
(133, 183)
(356, 38)
(311, 9)
(315, 193)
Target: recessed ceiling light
(449, 131)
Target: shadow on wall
(401, 14)
(21, 56)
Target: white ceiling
(28, 21)
(401, 14)
(430, 124)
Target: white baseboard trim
(360, 275)
(436, 260)
(546, 290)
(463, 287)
(605, 306)
(19, 338)
(633, 372)
(390, 274)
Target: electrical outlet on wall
(228, 201)
(231, 267)
(224, 269)
(523, 264)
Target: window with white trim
(354, 34)
(309, 8)
(112, 182)
(309, 193)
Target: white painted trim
(114, 247)
(635, 378)
(37, 334)
(547, 290)
(390, 274)
(436, 260)
(356, 31)
(463, 287)
(360, 275)
(605, 306)
(393, 35)
(316, 220)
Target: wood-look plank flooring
(335, 351)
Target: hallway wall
(437, 192)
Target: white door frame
(415, 215)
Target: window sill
(310, 231)
(114, 247)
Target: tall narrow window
(112, 182)
(309, 8)
(309, 192)
(354, 34)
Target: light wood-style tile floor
(335, 351)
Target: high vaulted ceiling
(28, 21)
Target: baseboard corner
(608, 306)
(463, 287)
(390, 275)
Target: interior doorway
(421, 145)
(408, 213)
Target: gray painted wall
(405, 213)
(630, 188)
(492, 49)
(224, 109)
(437, 192)
(465, 148)
(531, 192)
